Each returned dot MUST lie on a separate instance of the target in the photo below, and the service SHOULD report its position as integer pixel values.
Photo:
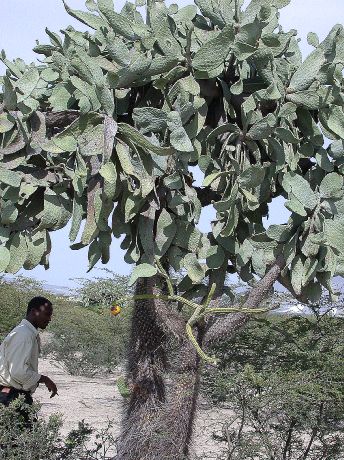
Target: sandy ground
(97, 399)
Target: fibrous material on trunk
(163, 374)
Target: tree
(108, 125)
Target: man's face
(43, 315)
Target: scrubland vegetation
(282, 377)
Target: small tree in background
(102, 291)
(106, 128)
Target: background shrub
(88, 340)
(14, 297)
(44, 441)
(18, 443)
(283, 379)
(101, 292)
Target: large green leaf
(280, 233)
(263, 128)
(334, 233)
(56, 212)
(150, 119)
(194, 269)
(294, 205)
(332, 185)
(286, 135)
(215, 11)
(297, 270)
(6, 122)
(180, 140)
(9, 213)
(78, 212)
(215, 257)
(145, 231)
(118, 50)
(94, 254)
(308, 99)
(247, 39)
(11, 178)
(187, 236)
(119, 23)
(213, 53)
(139, 139)
(258, 7)
(36, 248)
(142, 271)
(86, 131)
(301, 189)
(335, 120)
(4, 258)
(108, 171)
(18, 252)
(307, 73)
(61, 97)
(10, 96)
(252, 177)
(88, 91)
(27, 83)
(89, 19)
(165, 232)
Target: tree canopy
(106, 126)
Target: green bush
(86, 337)
(102, 291)
(88, 340)
(19, 443)
(283, 379)
(43, 440)
(14, 297)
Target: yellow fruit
(115, 310)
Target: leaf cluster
(103, 132)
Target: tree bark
(225, 326)
(163, 371)
(146, 367)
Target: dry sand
(97, 399)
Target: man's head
(39, 312)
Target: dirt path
(97, 399)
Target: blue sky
(22, 22)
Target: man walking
(19, 354)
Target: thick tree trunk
(163, 371)
(146, 368)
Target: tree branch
(60, 119)
(286, 449)
(206, 196)
(230, 324)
